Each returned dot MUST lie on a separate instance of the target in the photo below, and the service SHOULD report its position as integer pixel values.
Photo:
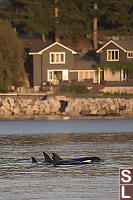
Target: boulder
(16, 111)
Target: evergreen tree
(118, 17)
(32, 16)
(71, 19)
(11, 56)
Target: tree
(93, 11)
(95, 31)
(70, 19)
(118, 17)
(11, 56)
(32, 16)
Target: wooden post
(121, 75)
(99, 76)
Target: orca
(47, 161)
(57, 161)
(33, 160)
(82, 159)
(47, 158)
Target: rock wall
(42, 106)
(126, 90)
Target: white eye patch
(87, 161)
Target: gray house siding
(54, 72)
(124, 48)
(122, 54)
(69, 60)
(37, 70)
(73, 76)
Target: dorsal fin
(47, 158)
(56, 156)
(56, 160)
(33, 160)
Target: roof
(125, 45)
(84, 65)
(39, 48)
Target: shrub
(74, 89)
(11, 56)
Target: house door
(58, 75)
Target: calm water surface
(111, 140)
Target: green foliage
(75, 17)
(119, 16)
(73, 89)
(34, 16)
(116, 66)
(45, 89)
(11, 55)
(71, 22)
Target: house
(59, 62)
(118, 53)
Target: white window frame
(64, 74)
(54, 54)
(84, 75)
(130, 54)
(110, 51)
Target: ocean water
(111, 140)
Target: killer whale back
(56, 156)
(47, 158)
(57, 161)
(82, 159)
(33, 160)
(93, 159)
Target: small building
(59, 62)
(118, 53)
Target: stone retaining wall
(117, 89)
(63, 106)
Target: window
(112, 55)
(57, 58)
(130, 54)
(83, 75)
(57, 75)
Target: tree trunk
(95, 30)
(43, 38)
(57, 38)
(42, 35)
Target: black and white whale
(47, 160)
(85, 160)
(57, 160)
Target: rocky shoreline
(62, 107)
